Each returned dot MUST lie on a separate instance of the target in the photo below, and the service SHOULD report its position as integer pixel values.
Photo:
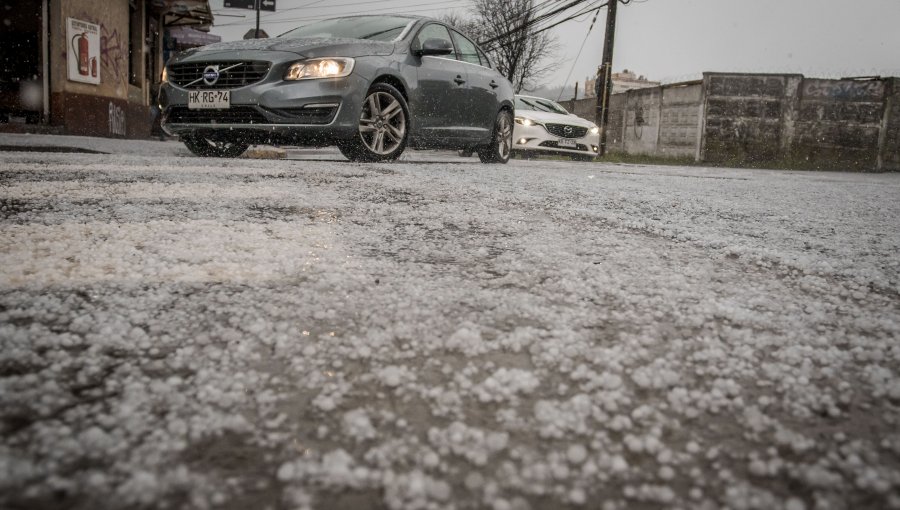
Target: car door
(439, 103)
(482, 89)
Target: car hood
(304, 47)
(555, 118)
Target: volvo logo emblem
(211, 75)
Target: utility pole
(605, 74)
(257, 18)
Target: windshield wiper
(537, 106)
(373, 34)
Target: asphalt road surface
(178, 332)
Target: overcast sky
(671, 40)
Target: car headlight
(315, 68)
(526, 121)
(595, 130)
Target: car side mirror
(435, 47)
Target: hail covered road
(178, 332)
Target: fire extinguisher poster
(83, 40)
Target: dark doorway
(21, 86)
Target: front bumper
(536, 139)
(306, 111)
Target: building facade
(87, 67)
(621, 82)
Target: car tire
(500, 147)
(211, 148)
(383, 126)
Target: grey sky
(671, 40)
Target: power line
(532, 22)
(338, 14)
(572, 69)
(526, 33)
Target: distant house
(622, 82)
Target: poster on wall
(83, 40)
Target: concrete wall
(658, 121)
(641, 126)
(760, 119)
(744, 119)
(680, 120)
(838, 123)
(585, 108)
(889, 159)
(615, 137)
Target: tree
(517, 52)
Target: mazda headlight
(595, 130)
(315, 68)
(525, 121)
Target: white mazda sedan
(543, 126)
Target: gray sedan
(372, 85)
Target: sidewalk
(66, 143)
(174, 148)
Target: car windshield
(539, 105)
(375, 28)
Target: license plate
(567, 143)
(209, 99)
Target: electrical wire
(526, 33)
(531, 22)
(339, 14)
(572, 69)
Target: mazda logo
(211, 75)
(567, 130)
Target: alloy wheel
(504, 135)
(382, 125)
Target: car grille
(554, 145)
(233, 115)
(566, 130)
(190, 74)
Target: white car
(543, 126)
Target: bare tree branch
(519, 54)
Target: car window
(466, 49)
(376, 28)
(551, 105)
(432, 31)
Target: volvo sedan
(372, 85)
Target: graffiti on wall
(113, 53)
(116, 120)
(843, 90)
